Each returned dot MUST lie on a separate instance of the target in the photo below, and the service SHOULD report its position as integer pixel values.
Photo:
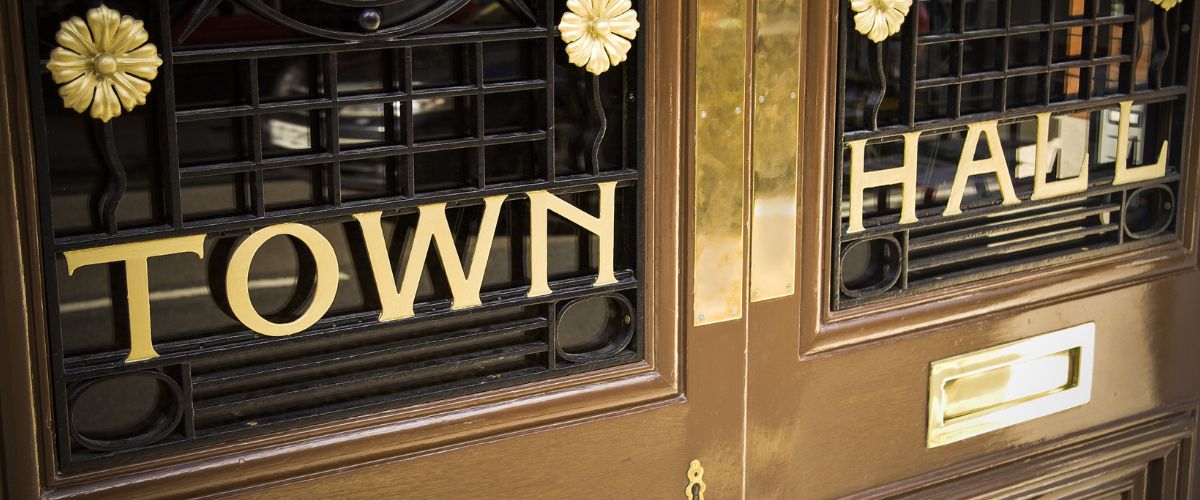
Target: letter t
(137, 280)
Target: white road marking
(183, 293)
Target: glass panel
(291, 132)
(979, 64)
(283, 78)
(271, 125)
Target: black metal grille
(263, 121)
(956, 62)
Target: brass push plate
(983, 391)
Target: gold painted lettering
(1042, 188)
(237, 279)
(432, 228)
(1126, 175)
(135, 256)
(540, 204)
(904, 175)
(968, 166)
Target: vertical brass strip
(774, 148)
(719, 157)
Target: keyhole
(696, 491)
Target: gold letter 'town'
(237, 279)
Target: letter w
(432, 227)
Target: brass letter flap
(1005, 385)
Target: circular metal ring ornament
(153, 433)
(889, 271)
(425, 13)
(616, 344)
(1162, 213)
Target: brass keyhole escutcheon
(695, 488)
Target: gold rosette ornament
(598, 32)
(1166, 4)
(104, 63)
(880, 19)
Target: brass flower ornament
(880, 19)
(1166, 4)
(598, 32)
(103, 63)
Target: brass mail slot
(983, 391)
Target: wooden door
(928, 248)
(853, 382)
(142, 356)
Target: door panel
(841, 400)
(625, 426)
(758, 353)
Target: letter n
(540, 204)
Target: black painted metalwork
(957, 62)
(258, 118)
(118, 182)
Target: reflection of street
(184, 293)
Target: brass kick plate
(1005, 385)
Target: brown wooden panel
(1148, 458)
(836, 401)
(626, 431)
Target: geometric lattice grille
(958, 64)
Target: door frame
(28, 448)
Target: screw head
(370, 19)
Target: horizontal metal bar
(390, 206)
(1039, 262)
(930, 218)
(1021, 30)
(393, 376)
(235, 167)
(947, 125)
(186, 56)
(1001, 228)
(945, 259)
(192, 115)
(404, 397)
(175, 352)
(323, 358)
(1026, 71)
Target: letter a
(968, 166)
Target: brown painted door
(164, 339)
(918, 358)
(847, 249)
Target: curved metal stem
(118, 182)
(1159, 60)
(875, 101)
(598, 108)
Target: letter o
(237, 279)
